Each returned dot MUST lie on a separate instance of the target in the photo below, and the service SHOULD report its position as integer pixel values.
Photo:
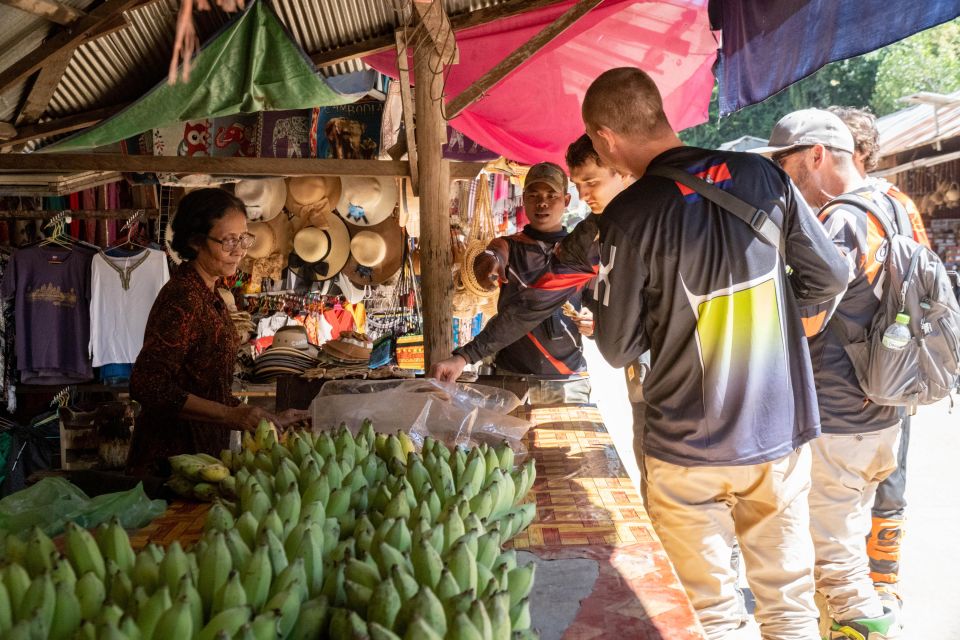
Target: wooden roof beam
(67, 124)
(523, 53)
(50, 9)
(67, 162)
(65, 40)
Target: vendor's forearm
(196, 408)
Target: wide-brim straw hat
(409, 209)
(265, 241)
(263, 197)
(319, 253)
(376, 253)
(303, 191)
(366, 201)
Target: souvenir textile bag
(410, 346)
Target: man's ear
(566, 200)
(608, 136)
(817, 155)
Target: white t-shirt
(123, 292)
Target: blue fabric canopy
(770, 44)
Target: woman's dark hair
(196, 214)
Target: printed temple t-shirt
(51, 290)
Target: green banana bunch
(83, 552)
(198, 469)
(227, 622)
(40, 550)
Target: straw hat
(409, 209)
(293, 337)
(367, 201)
(350, 347)
(311, 190)
(320, 253)
(265, 242)
(376, 252)
(264, 197)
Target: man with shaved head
(730, 395)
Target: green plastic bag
(52, 502)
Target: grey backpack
(916, 283)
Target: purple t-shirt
(51, 288)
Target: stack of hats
(346, 357)
(351, 348)
(290, 354)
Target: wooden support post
(436, 261)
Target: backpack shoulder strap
(900, 215)
(867, 206)
(757, 219)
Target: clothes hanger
(58, 237)
(129, 242)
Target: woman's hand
(292, 416)
(246, 417)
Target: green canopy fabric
(251, 65)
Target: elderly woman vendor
(184, 373)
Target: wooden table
(587, 507)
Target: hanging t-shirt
(123, 292)
(340, 320)
(51, 288)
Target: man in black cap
(551, 354)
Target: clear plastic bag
(453, 413)
(475, 395)
(52, 502)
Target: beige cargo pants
(846, 472)
(698, 511)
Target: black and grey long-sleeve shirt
(731, 380)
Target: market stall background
(97, 68)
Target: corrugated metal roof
(122, 66)
(22, 32)
(918, 125)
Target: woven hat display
(264, 197)
(264, 240)
(305, 191)
(367, 201)
(376, 252)
(320, 252)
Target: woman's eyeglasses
(245, 241)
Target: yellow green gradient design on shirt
(740, 338)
